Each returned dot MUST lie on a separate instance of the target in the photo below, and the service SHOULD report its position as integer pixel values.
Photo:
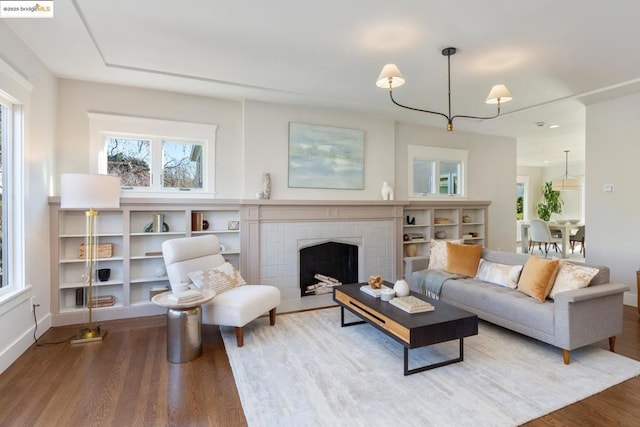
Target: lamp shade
(566, 184)
(499, 93)
(89, 191)
(390, 74)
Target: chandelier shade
(566, 182)
(390, 78)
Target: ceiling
(555, 56)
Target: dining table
(565, 228)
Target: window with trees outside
(151, 155)
(179, 163)
(436, 172)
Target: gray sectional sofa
(574, 319)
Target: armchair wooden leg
(240, 336)
(272, 316)
(612, 344)
(565, 356)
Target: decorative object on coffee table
(375, 282)
(401, 288)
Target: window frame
(103, 126)
(13, 158)
(437, 155)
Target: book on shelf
(185, 296)
(412, 304)
(103, 301)
(373, 292)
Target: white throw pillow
(220, 279)
(438, 255)
(572, 276)
(500, 274)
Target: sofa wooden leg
(612, 343)
(272, 316)
(565, 356)
(240, 336)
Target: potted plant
(552, 203)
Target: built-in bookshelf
(134, 259)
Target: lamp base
(88, 335)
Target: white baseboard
(630, 299)
(20, 345)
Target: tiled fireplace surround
(275, 231)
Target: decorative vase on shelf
(401, 288)
(441, 234)
(266, 185)
(411, 250)
(387, 191)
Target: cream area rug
(308, 371)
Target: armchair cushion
(220, 279)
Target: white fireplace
(280, 234)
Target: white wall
(612, 156)
(16, 318)
(266, 139)
(77, 98)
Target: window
(154, 155)
(11, 235)
(3, 198)
(436, 172)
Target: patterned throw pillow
(438, 255)
(220, 279)
(572, 276)
(499, 274)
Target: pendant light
(566, 182)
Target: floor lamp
(92, 192)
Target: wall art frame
(326, 157)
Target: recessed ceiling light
(554, 126)
(539, 124)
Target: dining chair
(578, 237)
(234, 307)
(539, 233)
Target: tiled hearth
(278, 235)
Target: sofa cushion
(488, 299)
(500, 274)
(463, 259)
(220, 279)
(438, 254)
(538, 276)
(571, 276)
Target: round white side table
(184, 324)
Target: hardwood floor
(126, 380)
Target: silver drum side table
(184, 324)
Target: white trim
(103, 125)
(437, 154)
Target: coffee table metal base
(408, 371)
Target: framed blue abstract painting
(325, 157)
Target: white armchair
(235, 307)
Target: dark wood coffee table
(445, 323)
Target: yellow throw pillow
(463, 259)
(438, 253)
(538, 276)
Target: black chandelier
(391, 77)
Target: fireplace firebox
(329, 263)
